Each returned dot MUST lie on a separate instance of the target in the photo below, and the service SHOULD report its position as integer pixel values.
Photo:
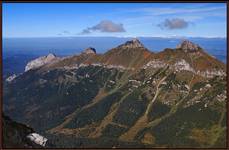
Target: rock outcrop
(188, 46)
(183, 65)
(90, 50)
(155, 64)
(134, 43)
(11, 78)
(36, 63)
(38, 139)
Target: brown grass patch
(148, 138)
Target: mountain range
(127, 97)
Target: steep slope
(193, 58)
(127, 96)
(131, 54)
(200, 59)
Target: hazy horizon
(70, 46)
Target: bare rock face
(155, 64)
(40, 61)
(38, 139)
(183, 65)
(90, 50)
(188, 46)
(134, 43)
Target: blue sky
(114, 19)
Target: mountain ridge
(123, 54)
(127, 95)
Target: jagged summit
(188, 46)
(134, 43)
(132, 53)
(89, 50)
(50, 56)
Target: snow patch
(11, 78)
(38, 139)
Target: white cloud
(105, 26)
(175, 23)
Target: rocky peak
(188, 46)
(50, 56)
(40, 61)
(90, 50)
(134, 43)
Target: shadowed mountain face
(15, 135)
(126, 97)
